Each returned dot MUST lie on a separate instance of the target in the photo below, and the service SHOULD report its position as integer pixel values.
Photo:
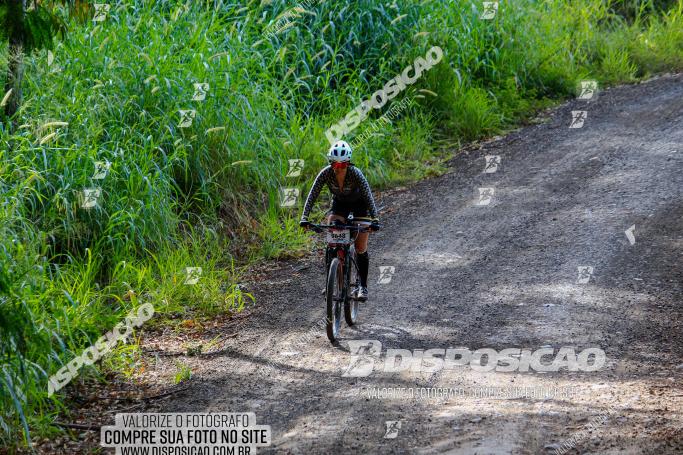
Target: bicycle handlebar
(320, 227)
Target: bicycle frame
(340, 250)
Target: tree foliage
(34, 27)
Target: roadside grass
(208, 195)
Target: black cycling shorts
(358, 208)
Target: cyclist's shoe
(362, 294)
(354, 292)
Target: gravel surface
(502, 275)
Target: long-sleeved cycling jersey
(355, 189)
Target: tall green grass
(208, 195)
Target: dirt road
(498, 275)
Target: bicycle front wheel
(335, 298)
(351, 305)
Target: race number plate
(338, 236)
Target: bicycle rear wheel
(335, 298)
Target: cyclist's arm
(367, 195)
(314, 193)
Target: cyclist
(350, 193)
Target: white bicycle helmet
(340, 152)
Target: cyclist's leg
(362, 238)
(362, 257)
(360, 218)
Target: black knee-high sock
(363, 266)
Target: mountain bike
(341, 272)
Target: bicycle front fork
(331, 253)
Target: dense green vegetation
(208, 195)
